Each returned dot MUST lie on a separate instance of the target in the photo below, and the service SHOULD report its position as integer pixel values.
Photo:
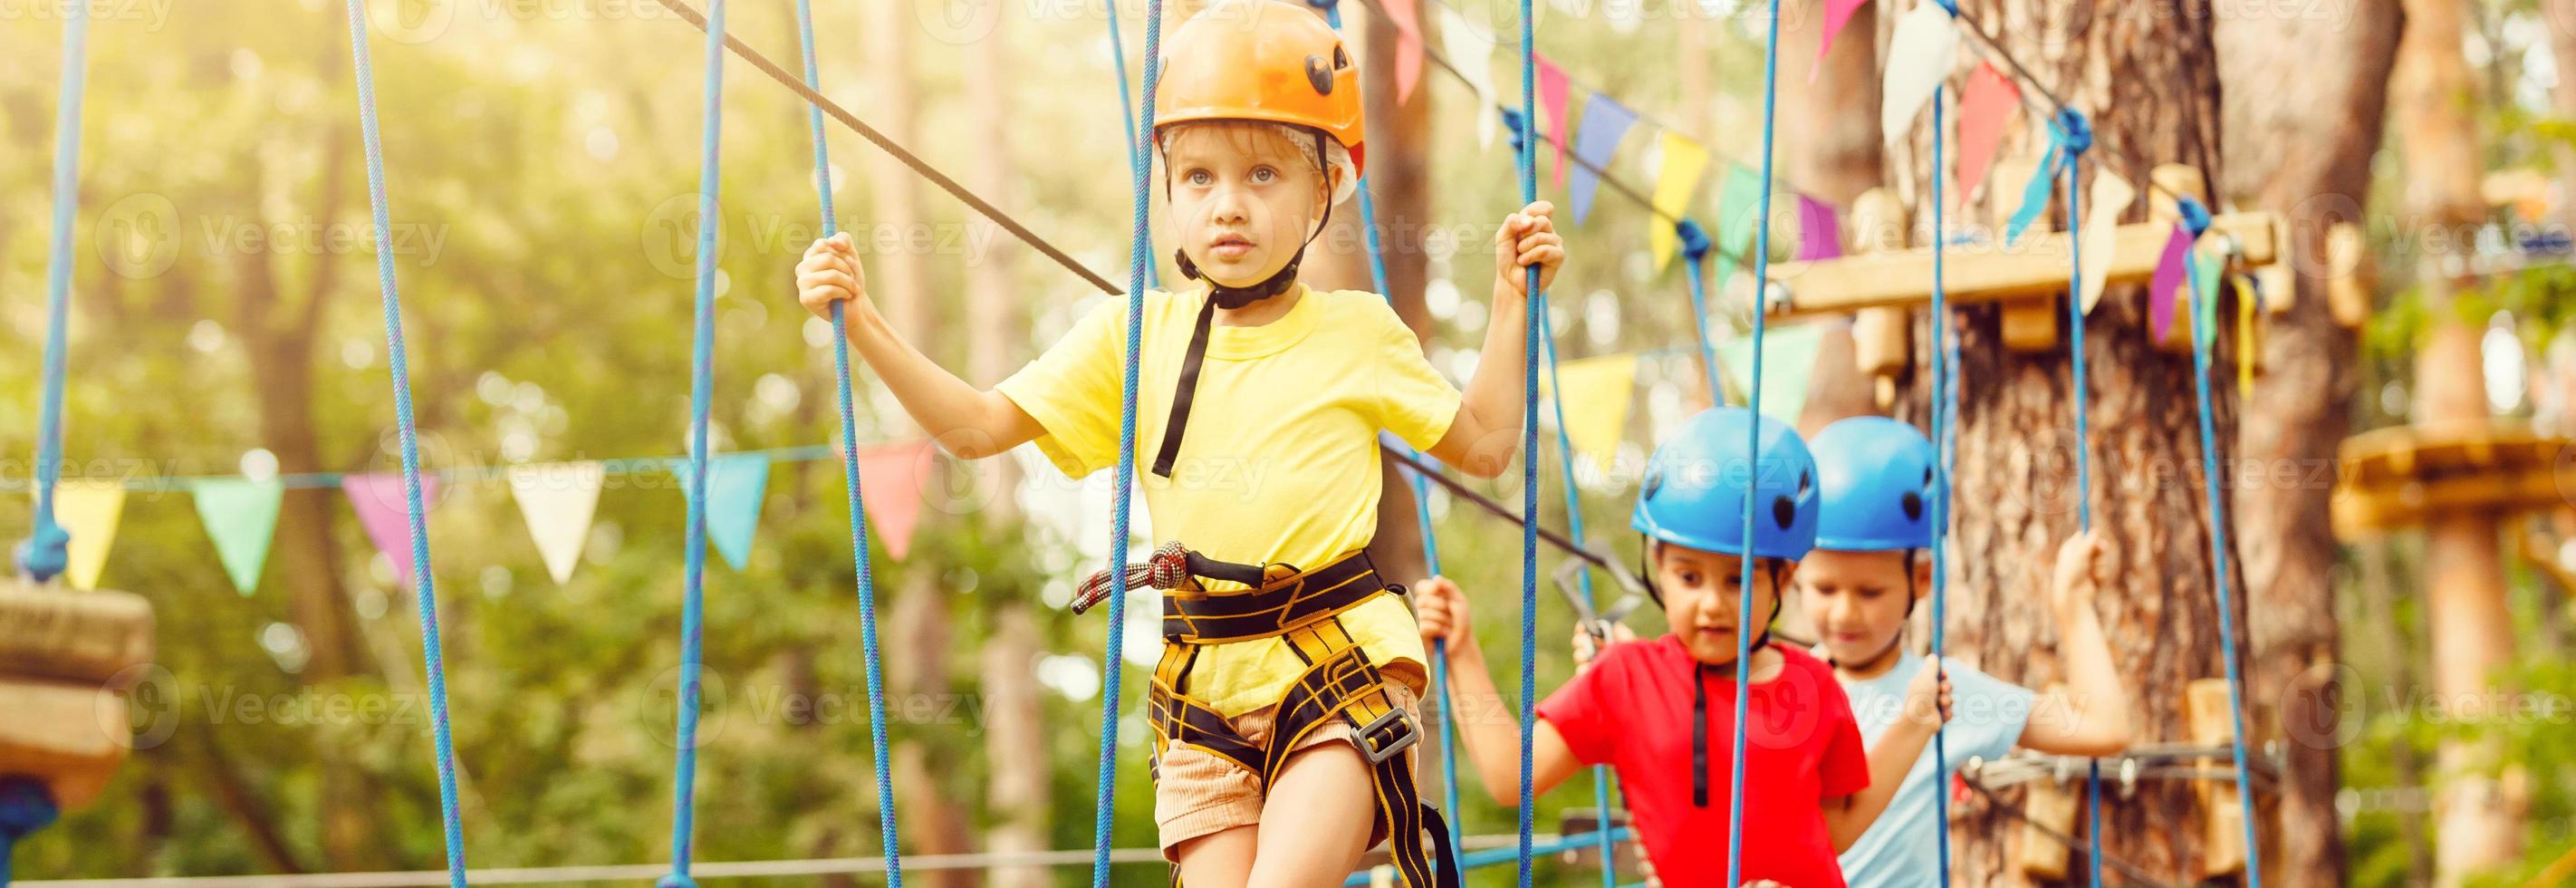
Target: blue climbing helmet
(1875, 475)
(1696, 484)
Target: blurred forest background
(542, 168)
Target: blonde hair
(1335, 157)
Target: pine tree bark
(2144, 72)
(2305, 153)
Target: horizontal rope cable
(2130, 871)
(540, 875)
(797, 84)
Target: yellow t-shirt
(1278, 461)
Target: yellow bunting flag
(2247, 340)
(87, 508)
(1595, 400)
(1684, 161)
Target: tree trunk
(2144, 71)
(1016, 799)
(1829, 139)
(1399, 179)
(2305, 153)
(2477, 819)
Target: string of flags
(557, 501)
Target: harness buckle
(1387, 737)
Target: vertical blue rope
(866, 571)
(2083, 465)
(1753, 440)
(1941, 430)
(1533, 331)
(701, 393)
(1601, 778)
(45, 553)
(1140, 170)
(1699, 314)
(1127, 109)
(424, 588)
(2218, 574)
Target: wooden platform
(2393, 478)
(2033, 269)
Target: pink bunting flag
(2170, 269)
(1553, 95)
(1820, 230)
(1983, 112)
(890, 479)
(1838, 13)
(385, 514)
(1408, 46)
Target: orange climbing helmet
(1265, 60)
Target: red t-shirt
(1631, 710)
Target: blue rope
(1601, 779)
(47, 548)
(1695, 246)
(1533, 332)
(424, 588)
(701, 394)
(1753, 441)
(2218, 571)
(850, 470)
(2083, 460)
(1127, 108)
(1941, 428)
(1499, 856)
(1141, 168)
(25, 807)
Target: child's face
(1243, 198)
(1703, 592)
(1858, 600)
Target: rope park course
(29, 801)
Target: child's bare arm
(2090, 717)
(970, 422)
(1486, 722)
(1894, 755)
(1486, 432)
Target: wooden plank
(2212, 723)
(2033, 269)
(2050, 805)
(72, 635)
(71, 736)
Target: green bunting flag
(241, 517)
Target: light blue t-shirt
(1986, 719)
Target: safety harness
(1301, 608)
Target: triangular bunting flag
(2247, 340)
(240, 515)
(1408, 46)
(1595, 399)
(2170, 271)
(558, 501)
(1684, 161)
(385, 514)
(1739, 212)
(2205, 266)
(87, 509)
(1838, 13)
(2111, 197)
(2034, 193)
(1604, 123)
(1919, 58)
(1472, 56)
(1820, 230)
(890, 486)
(1554, 98)
(1983, 112)
(1788, 362)
(735, 484)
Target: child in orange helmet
(1284, 704)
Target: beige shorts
(1199, 793)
